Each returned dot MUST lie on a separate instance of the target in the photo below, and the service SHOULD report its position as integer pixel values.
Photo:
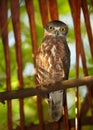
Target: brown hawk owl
(53, 63)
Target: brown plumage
(53, 63)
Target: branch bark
(43, 89)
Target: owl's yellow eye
(62, 29)
(50, 28)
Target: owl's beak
(56, 32)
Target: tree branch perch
(45, 89)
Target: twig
(45, 89)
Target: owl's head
(56, 28)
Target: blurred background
(30, 105)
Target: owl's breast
(50, 59)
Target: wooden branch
(45, 89)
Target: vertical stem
(44, 11)
(75, 9)
(85, 70)
(88, 26)
(53, 4)
(4, 33)
(30, 11)
(15, 13)
(66, 112)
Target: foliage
(30, 107)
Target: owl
(53, 63)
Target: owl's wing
(66, 61)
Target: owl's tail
(56, 105)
